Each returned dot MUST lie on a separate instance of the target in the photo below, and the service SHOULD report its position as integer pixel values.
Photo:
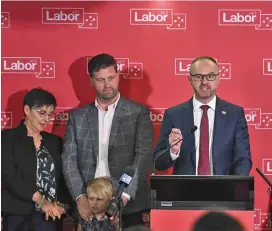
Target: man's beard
(105, 96)
(205, 91)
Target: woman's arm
(11, 178)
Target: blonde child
(100, 192)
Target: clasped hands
(53, 210)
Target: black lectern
(177, 201)
(202, 192)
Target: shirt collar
(197, 104)
(111, 106)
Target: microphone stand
(269, 190)
(120, 208)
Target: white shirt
(104, 126)
(105, 119)
(197, 120)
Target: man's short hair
(202, 58)
(101, 61)
(101, 186)
(217, 221)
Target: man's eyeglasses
(43, 114)
(200, 77)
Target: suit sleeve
(69, 156)
(163, 160)
(242, 163)
(63, 192)
(12, 179)
(143, 151)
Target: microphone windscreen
(194, 128)
(130, 170)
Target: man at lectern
(219, 144)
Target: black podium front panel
(198, 192)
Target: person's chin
(204, 93)
(108, 96)
(41, 127)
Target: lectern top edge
(217, 177)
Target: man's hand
(84, 208)
(174, 137)
(125, 200)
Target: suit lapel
(92, 117)
(219, 130)
(120, 111)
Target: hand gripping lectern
(177, 201)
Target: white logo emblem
(260, 120)
(28, 65)
(182, 67)
(262, 220)
(267, 66)
(127, 69)
(158, 17)
(70, 16)
(62, 115)
(267, 166)
(5, 19)
(245, 17)
(6, 119)
(156, 115)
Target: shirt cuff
(174, 156)
(80, 196)
(126, 195)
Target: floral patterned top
(45, 175)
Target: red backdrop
(48, 44)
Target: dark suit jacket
(130, 144)
(19, 165)
(230, 148)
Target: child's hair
(101, 186)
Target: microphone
(264, 177)
(124, 182)
(192, 130)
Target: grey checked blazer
(130, 144)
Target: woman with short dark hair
(31, 168)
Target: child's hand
(115, 221)
(115, 216)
